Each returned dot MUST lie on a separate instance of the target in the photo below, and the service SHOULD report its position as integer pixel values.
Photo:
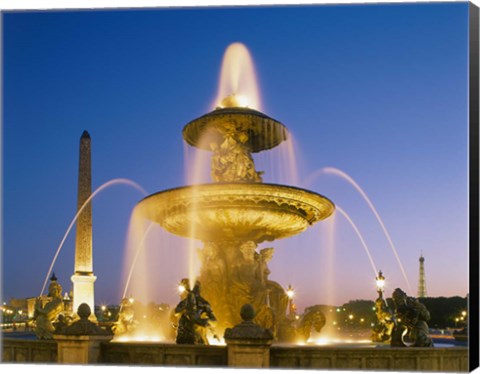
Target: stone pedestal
(248, 343)
(80, 342)
(83, 291)
(79, 349)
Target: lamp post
(382, 330)
(291, 306)
(380, 280)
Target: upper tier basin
(262, 131)
(236, 211)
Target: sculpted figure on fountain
(242, 280)
(214, 277)
(126, 321)
(46, 316)
(313, 318)
(232, 161)
(195, 316)
(265, 316)
(411, 315)
(263, 258)
(235, 274)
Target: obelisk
(83, 277)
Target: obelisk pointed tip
(85, 135)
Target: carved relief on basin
(236, 211)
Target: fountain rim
(205, 185)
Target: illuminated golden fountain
(236, 212)
(238, 206)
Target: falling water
(280, 163)
(138, 250)
(238, 77)
(196, 173)
(152, 270)
(138, 264)
(337, 172)
(329, 244)
(97, 191)
(136, 259)
(365, 247)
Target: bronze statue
(411, 315)
(195, 316)
(46, 316)
(313, 317)
(125, 322)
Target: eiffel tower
(422, 287)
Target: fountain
(236, 212)
(232, 216)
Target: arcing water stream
(351, 181)
(110, 183)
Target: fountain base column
(233, 274)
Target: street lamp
(382, 329)
(380, 280)
(290, 294)
(183, 288)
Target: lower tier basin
(236, 211)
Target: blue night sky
(377, 91)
